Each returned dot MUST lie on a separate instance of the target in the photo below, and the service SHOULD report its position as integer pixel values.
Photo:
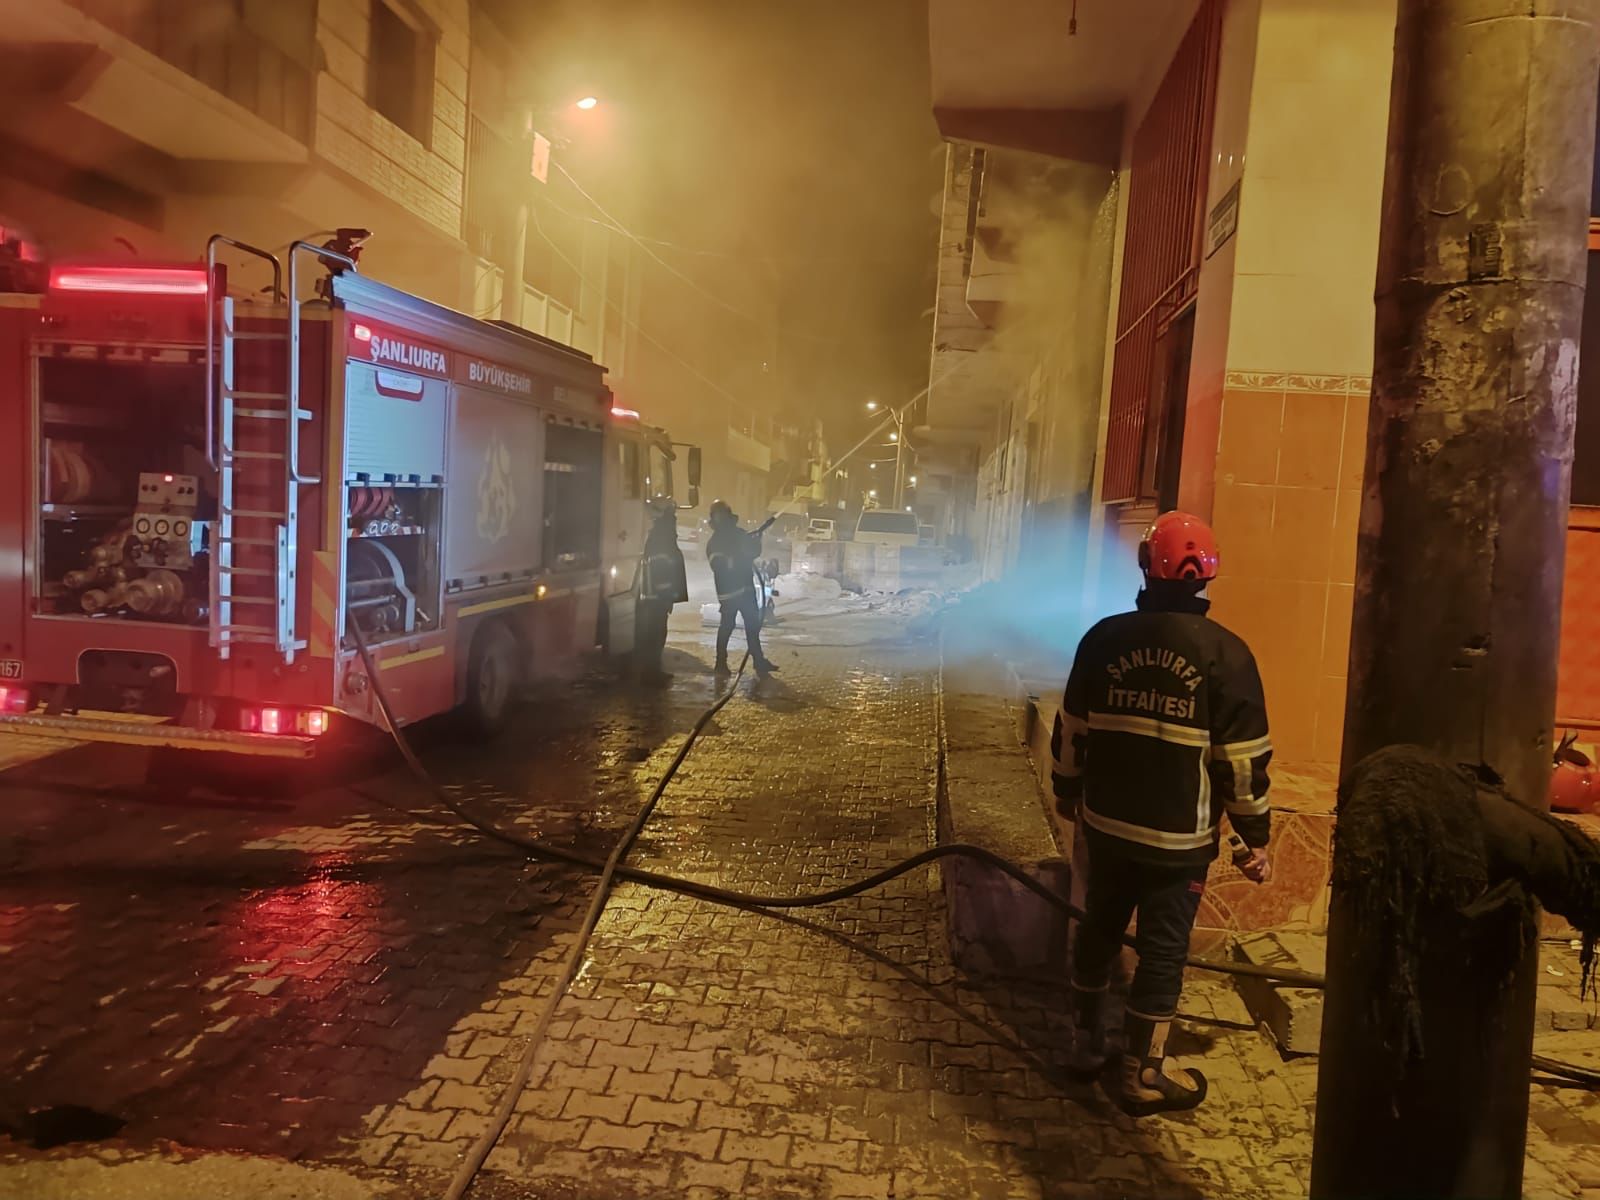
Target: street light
(872, 406)
(894, 437)
(913, 481)
(587, 103)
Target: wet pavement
(319, 995)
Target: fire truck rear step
(154, 733)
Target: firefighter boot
(1088, 1056)
(721, 668)
(1144, 1088)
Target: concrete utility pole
(1458, 584)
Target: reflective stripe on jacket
(1162, 729)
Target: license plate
(10, 668)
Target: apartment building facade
(144, 126)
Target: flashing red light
(134, 281)
(272, 720)
(15, 699)
(361, 333)
(624, 414)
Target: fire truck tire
(492, 679)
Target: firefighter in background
(732, 553)
(1162, 729)
(665, 582)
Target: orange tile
(1242, 516)
(1252, 427)
(1307, 606)
(1346, 531)
(1293, 713)
(1336, 630)
(1226, 594)
(1197, 474)
(1329, 734)
(1267, 631)
(1313, 431)
(1302, 532)
(1353, 458)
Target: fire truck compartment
(120, 439)
(396, 424)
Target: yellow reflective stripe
(1067, 764)
(416, 656)
(1252, 806)
(483, 606)
(1251, 749)
(1178, 735)
(1159, 838)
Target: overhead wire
(650, 253)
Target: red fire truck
(214, 469)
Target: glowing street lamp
(587, 103)
(872, 406)
(894, 437)
(873, 492)
(913, 481)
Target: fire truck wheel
(491, 680)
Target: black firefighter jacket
(1162, 729)
(666, 580)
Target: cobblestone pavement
(325, 985)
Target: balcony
(747, 451)
(1012, 74)
(194, 81)
(993, 281)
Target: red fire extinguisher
(1572, 783)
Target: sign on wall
(1224, 220)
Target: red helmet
(1178, 545)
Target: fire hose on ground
(613, 868)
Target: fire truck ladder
(254, 448)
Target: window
(659, 481)
(571, 497)
(400, 69)
(631, 489)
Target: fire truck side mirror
(694, 497)
(694, 467)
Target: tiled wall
(1288, 446)
(1289, 463)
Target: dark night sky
(795, 131)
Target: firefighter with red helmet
(1162, 730)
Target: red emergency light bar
(131, 281)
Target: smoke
(1036, 613)
(779, 157)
